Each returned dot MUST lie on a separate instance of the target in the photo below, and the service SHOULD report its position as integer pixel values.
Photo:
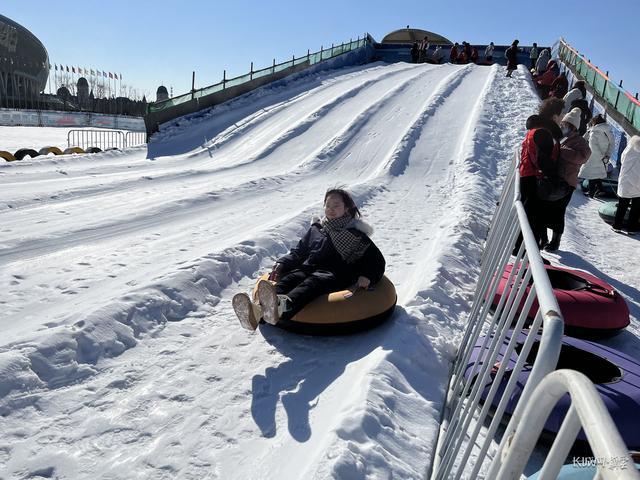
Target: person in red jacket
(538, 156)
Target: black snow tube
(23, 152)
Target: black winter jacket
(315, 251)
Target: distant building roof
(410, 35)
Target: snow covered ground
(14, 138)
(120, 355)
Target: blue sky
(162, 42)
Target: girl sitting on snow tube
(336, 252)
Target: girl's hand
(274, 276)
(363, 282)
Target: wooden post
(618, 96)
(193, 84)
(273, 69)
(251, 72)
(224, 79)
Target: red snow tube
(590, 306)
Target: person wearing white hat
(574, 152)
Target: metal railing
(104, 139)
(462, 430)
(614, 95)
(310, 58)
(587, 411)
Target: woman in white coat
(629, 187)
(601, 141)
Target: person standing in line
(415, 53)
(488, 53)
(578, 92)
(629, 188)
(543, 61)
(601, 141)
(533, 55)
(453, 56)
(437, 55)
(424, 46)
(512, 57)
(538, 157)
(574, 152)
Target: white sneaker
(248, 312)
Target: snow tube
(591, 307)
(72, 150)
(615, 375)
(23, 152)
(8, 156)
(48, 150)
(609, 187)
(338, 313)
(93, 150)
(607, 212)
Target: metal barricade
(462, 431)
(480, 379)
(103, 139)
(132, 139)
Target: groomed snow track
(121, 355)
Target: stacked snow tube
(607, 212)
(48, 150)
(609, 187)
(73, 150)
(590, 307)
(615, 375)
(8, 156)
(341, 312)
(23, 152)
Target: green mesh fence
(311, 58)
(618, 98)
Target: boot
(272, 304)
(248, 312)
(544, 239)
(554, 244)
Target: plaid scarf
(350, 246)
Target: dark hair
(580, 85)
(550, 107)
(598, 119)
(352, 208)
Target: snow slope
(121, 356)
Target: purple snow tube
(615, 375)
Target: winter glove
(274, 276)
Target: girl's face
(334, 207)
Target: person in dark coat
(560, 86)
(453, 56)
(474, 55)
(512, 57)
(335, 253)
(414, 52)
(538, 156)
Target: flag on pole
(121, 76)
(67, 67)
(115, 75)
(104, 74)
(93, 73)
(56, 65)
(73, 70)
(110, 75)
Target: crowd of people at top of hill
(459, 53)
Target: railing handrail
(466, 389)
(352, 45)
(607, 88)
(587, 411)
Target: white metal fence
(104, 139)
(484, 379)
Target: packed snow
(121, 356)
